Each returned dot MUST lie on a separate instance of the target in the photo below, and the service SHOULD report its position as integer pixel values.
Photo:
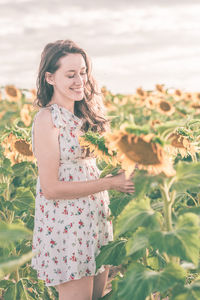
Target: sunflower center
(164, 106)
(23, 148)
(140, 151)
(178, 93)
(11, 91)
(177, 140)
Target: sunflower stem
(194, 157)
(167, 206)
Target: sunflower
(151, 102)
(17, 150)
(196, 101)
(181, 144)
(140, 92)
(104, 91)
(153, 123)
(195, 105)
(12, 93)
(109, 106)
(139, 150)
(160, 88)
(188, 96)
(197, 96)
(97, 149)
(25, 114)
(165, 107)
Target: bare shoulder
(45, 134)
(44, 118)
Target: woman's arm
(48, 156)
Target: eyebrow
(75, 70)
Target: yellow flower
(195, 105)
(97, 152)
(181, 144)
(25, 114)
(187, 96)
(178, 93)
(141, 151)
(153, 123)
(160, 88)
(165, 107)
(104, 91)
(151, 102)
(12, 93)
(196, 101)
(141, 92)
(17, 150)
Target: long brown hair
(91, 107)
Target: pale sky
(131, 43)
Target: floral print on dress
(68, 233)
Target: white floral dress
(68, 234)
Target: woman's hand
(120, 183)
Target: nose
(78, 80)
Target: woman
(71, 206)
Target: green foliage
(156, 229)
(113, 253)
(187, 176)
(137, 214)
(139, 281)
(182, 242)
(12, 232)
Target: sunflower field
(156, 135)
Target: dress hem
(63, 281)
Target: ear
(49, 78)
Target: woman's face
(70, 78)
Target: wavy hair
(91, 108)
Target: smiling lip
(77, 90)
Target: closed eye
(82, 74)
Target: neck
(68, 104)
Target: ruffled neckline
(67, 111)
(66, 116)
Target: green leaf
(168, 127)
(194, 210)
(187, 176)
(118, 201)
(189, 292)
(3, 187)
(24, 199)
(22, 292)
(139, 282)
(137, 214)
(109, 169)
(11, 293)
(4, 284)
(12, 232)
(143, 183)
(20, 168)
(13, 263)
(138, 241)
(112, 254)
(182, 242)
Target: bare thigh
(100, 282)
(80, 289)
